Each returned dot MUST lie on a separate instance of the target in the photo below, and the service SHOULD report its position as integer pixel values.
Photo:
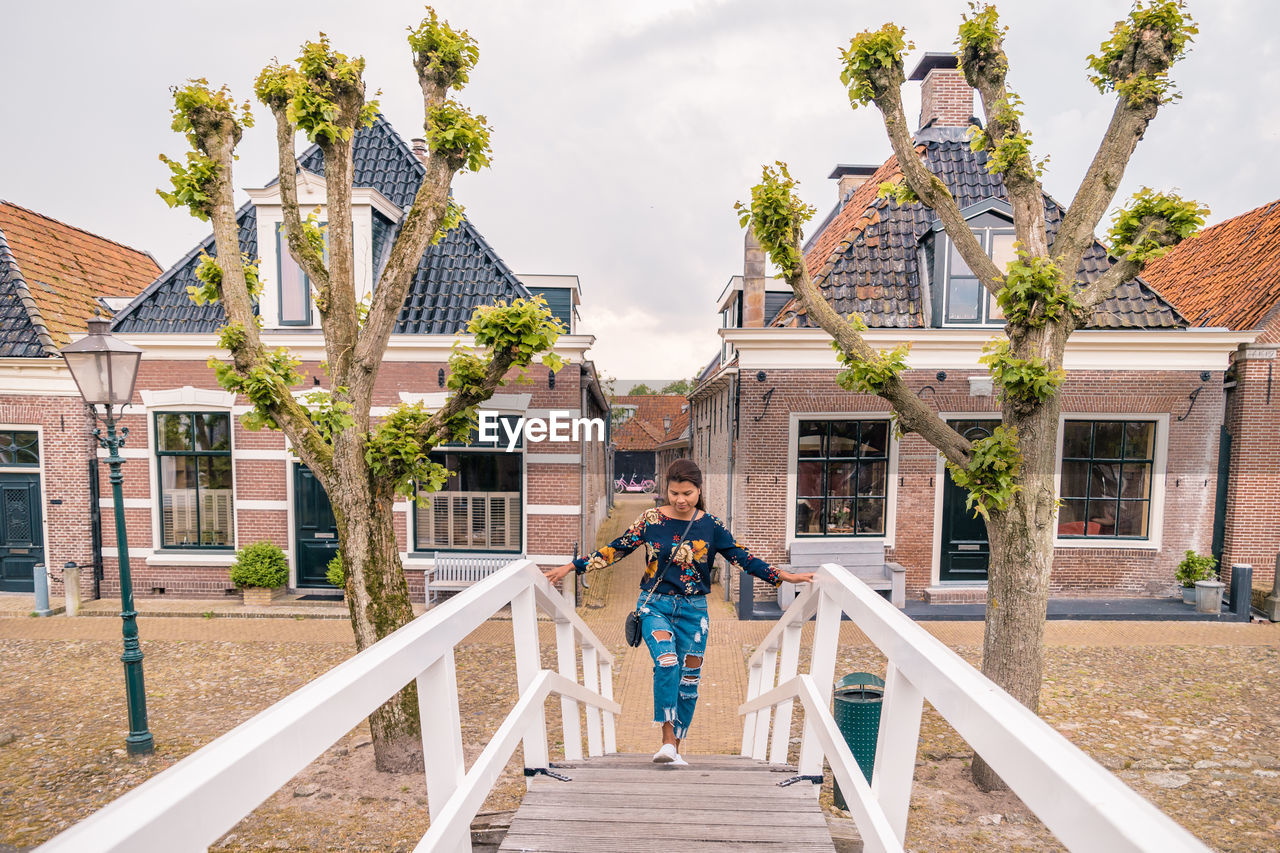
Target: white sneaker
(679, 762)
(666, 755)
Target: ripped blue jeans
(674, 628)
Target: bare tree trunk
(378, 599)
(1021, 540)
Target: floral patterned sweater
(687, 572)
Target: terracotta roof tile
(1229, 275)
(66, 269)
(645, 429)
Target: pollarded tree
(362, 465)
(1009, 475)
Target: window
(477, 510)
(842, 469)
(1106, 479)
(19, 449)
(295, 286)
(967, 301)
(194, 454)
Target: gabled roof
(1229, 275)
(866, 259)
(646, 429)
(454, 277)
(52, 276)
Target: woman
(674, 617)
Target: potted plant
(335, 573)
(262, 571)
(1194, 568)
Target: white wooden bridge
(622, 803)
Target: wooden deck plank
(627, 804)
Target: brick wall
(1252, 533)
(946, 97)
(1190, 477)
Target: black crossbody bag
(632, 625)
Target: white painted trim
(890, 486)
(202, 398)
(555, 458)
(550, 559)
(259, 506)
(129, 503)
(309, 347)
(215, 559)
(553, 509)
(939, 479)
(36, 377)
(960, 349)
(127, 453)
(1159, 482)
(263, 455)
(111, 551)
(402, 506)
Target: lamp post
(105, 370)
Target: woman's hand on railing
(557, 574)
(796, 577)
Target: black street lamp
(105, 370)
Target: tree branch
(421, 224)
(1094, 294)
(310, 260)
(1096, 191)
(927, 186)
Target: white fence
(1083, 804)
(193, 803)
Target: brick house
(790, 455)
(53, 278)
(1229, 276)
(651, 432)
(198, 485)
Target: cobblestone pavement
(1185, 713)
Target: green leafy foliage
(335, 573)
(318, 95)
(203, 115)
(872, 375)
(991, 477)
(193, 184)
(231, 337)
(461, 138)
(1035, 292)
(523, 327)
(209, 274)
(330, 416)
(1011, 156)
(1135, 61)
(978, 38)
(443, 53)
(261, 564)
(1025, 382)
(397, 450)
(899, 191)
(641, 390)
(777, 215)
(1152, 224)
(453, 216)
(872, 60)
(266, 385)
(1195, 567)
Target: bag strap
(658, 579)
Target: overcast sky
(623, 132)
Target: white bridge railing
(1082, 803)
(193, 803)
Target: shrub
(1195, 568)
(261, 564)
(336, 574)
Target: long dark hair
(686, 471)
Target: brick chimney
(946, 100)
(752, 283)
(851, 177)
(420, 149)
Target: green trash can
(856, 699)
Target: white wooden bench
(455, 571)
(863, 557)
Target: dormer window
(295, 285)
(966, 301)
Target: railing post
(567, 659)
(591, 681)
(606, 690)
(524, 630)
(749, 722)
(767, 683)
(822, 666)
(790, 663)
(896, 748)
(441, 732)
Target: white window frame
(890, 486)
(1159, 481)
(947, 244)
